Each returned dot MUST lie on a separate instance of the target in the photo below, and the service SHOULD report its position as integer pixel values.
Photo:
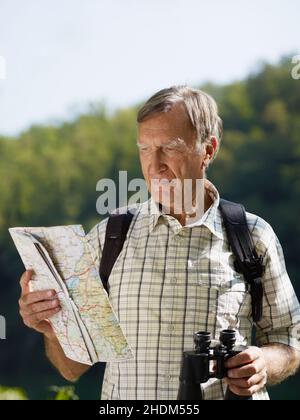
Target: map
(86, 327)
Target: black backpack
(246, 261)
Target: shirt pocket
(226, 291)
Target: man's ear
(209, 151)
(214, 142)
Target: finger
(32, 321)
(248, 370)
(25, 279)
(39, 296)
(243, 358)
(247, 392)
(247, 383)
(47, 305)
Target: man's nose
(157, 166)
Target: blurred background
(72, 76)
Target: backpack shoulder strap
(247, 260)
(116, 232)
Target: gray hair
(201, 109)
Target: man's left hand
(247, 372)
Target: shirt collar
(212, 218)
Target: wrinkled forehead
(172, 124)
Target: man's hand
(37, 307)
(247, 372)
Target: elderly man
(175, 275)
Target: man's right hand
(37, 307)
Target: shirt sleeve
(281, 310)
(95, 238)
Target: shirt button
(190, 264)
(167, 377)
(173, 280)
(171, 328)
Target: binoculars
(195, 365)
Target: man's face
(167, 144)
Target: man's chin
(165, 203)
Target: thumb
(24, 282)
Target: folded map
(87, 327)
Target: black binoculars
(195, 365)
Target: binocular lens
(228, 338)
(202, 340)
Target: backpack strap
(247, 260)
(116, 232)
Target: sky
(61, 55)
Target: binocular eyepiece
(195, 365)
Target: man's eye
(145, 149)
(169, 149)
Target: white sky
(62, 54)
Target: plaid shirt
(171, 280)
